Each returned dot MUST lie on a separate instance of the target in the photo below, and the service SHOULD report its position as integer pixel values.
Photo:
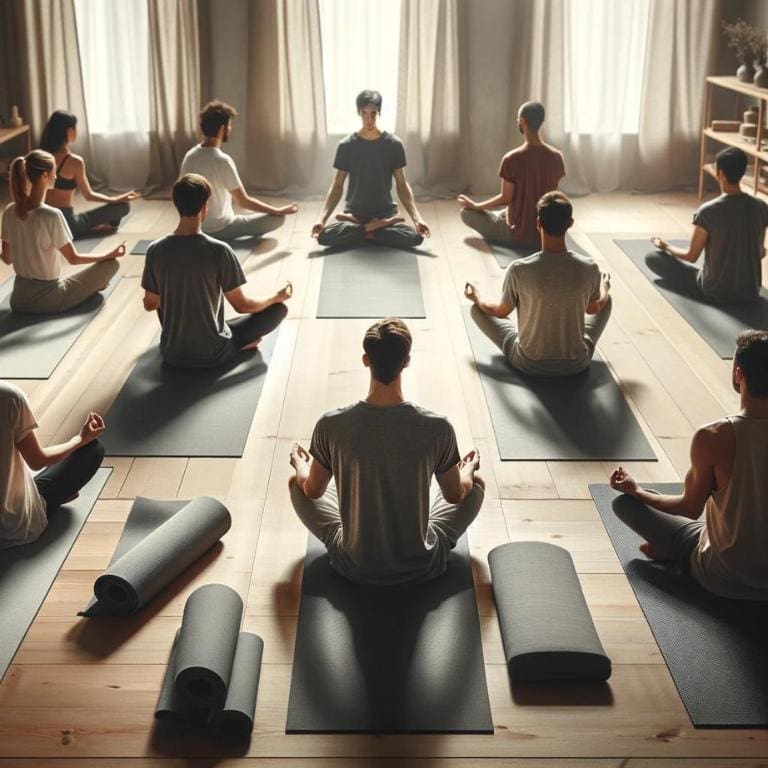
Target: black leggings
(251, 327)
(82, 224)
(60, 482)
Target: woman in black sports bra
(59, 132)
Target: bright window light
(604, 59)
(113, 37)
(361, 40)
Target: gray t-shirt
(370, 165)
(191, 273)
(383, 460)
(736, 226)
(551, 292)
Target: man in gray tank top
(731, 231)
(727, 482)
(376, 519)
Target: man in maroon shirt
(527, 173)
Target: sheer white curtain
(113, 38)
(360, 42)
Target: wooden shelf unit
(733, 139)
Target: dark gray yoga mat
(574, 418)
(717, 324)
(546, 626)
(140, 249)
(373, 281)
(242, 247)
(166, 411)
(715, 648)
(159, 541)
(28, 572)
(405, 659)
(505, 253)
(31, 346)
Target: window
(361, 42)
(113, 37)
(604, 60)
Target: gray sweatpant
(449, 521)
(248, 225)
(504, 334)
(50, 297)
(345, 234)
(492, 225)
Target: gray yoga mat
(405, 659)
(717, 324)
(546, 626)
(88, 244)
(505, 254)
(715, 648)
(28, 572)
(373, 281)
(575, 418)
(160, 540)
(31, 346)
(166, 411)
(140, 249)
(242, 247)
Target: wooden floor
(82, 693)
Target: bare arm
(73, 257)
(698, 242)
(505, 197)
(699, 481)
(332, 197)
(312, 477)
(605, 288)
(244, 200)
(405, 193)
(456, 483)
(5, 254)
(38, 457)
(151, 301)
(84, 186)
(244, 304)
(499, 308)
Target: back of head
(752, 357)
(368, 98)
(24, 170)
(555, 213)
(190, 194)
(388, 346)
(533, 114)
(732, 161)
(214, 115)
(55, 131)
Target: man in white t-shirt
(207, 160)
(26, 501)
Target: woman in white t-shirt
(35, 235)
(26, 501)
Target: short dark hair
(752, 357)
(214, 115)
(190, 194)
(555, 213)
(388, 345)
(364, 98)
(533, 114)
(732, 161)
(55, 131)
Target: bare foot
(654, 553)
(252, 345)
(375, 224)
(346, 217)
(107, 229)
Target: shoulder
(10, 394)
(331, 418)
(434, 420)
(48, 213)
(709, 439)
(8, 208)
(76, 160)
(217, 247)
(347, 140)
(391, 138)
(587, 262)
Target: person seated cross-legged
(370, 157)
(731, 231)
(186, 277)
(562, 301)
(364, 486)
(526, 174)
(208, 160)
(727, 482)
(27, 501)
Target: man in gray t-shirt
(186, 277)
(377, 522)
(731, 231)
(561, 299)
(371, 158)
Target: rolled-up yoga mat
(205, 651)
(170, 708)
(137, 575)
(235, 719)
(546, 626)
